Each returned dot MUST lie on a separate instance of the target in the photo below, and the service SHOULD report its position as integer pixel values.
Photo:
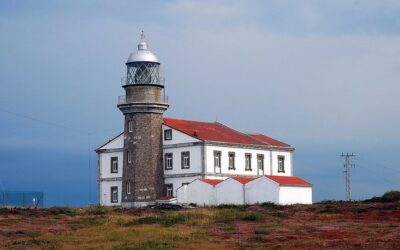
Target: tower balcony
(128, 81)
(147, 98)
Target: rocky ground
(334, 225)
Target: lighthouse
(143, 106)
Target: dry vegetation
(335, 225)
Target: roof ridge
(244, 134)
(252, 135)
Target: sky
(322, 76)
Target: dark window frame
(169, 188)
(167, 134)
(183, 156)
(281, 169)
(261, 156)
(231, 160)
(112, 194)
(112, 160)
(247, 163)
(128, 187)
(129, 156)
(166, 161)
(217, 161)
(130, 126)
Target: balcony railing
(146, 98)
(124, 81)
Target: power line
(54, 124)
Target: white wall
(105, 165)
(230, 191)
(177, 181)
(240, 161)
(295, 195)
(288, 163)
(198, 192)
(105, 192)
(261, 190)
(195, 160)
(117, 142)
(177, 137)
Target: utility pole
(347, 165)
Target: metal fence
(21, 199)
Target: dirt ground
(321, 226)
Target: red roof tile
(289, 180)
(214, 131)
(269, 140)
(243, 180)
(211, 181)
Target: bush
(252, 216)
(270, 205)
(147, 245)
(391, 196)
(63, 210)
(168, 220)
(97, 210)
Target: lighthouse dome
(143, 54)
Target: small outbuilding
(283, 190)
(199, 191)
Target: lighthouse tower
(143, 106)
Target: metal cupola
(143, 67)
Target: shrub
(63, 210)
(147, 245)
(97, 210)
(261, 231)
(226, 215)
(270, 205)
(391, 196)
(252, 216)
(168, 220)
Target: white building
(208, 162)
(194, 150)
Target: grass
(265, 226)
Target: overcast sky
(322, 76)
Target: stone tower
(143, 106)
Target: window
(217, 161)
(168, 134)
(260, 162)
(281, 164)
(170, 189)
(128, 188)
(114, 164)
(129, 156)
(185, 159)
(248, 162)
(114, 194)
(231, 156)
(168, 161)
(130, 126)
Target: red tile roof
(269, 140)
(289, 180)
(211, 181)
(243, 180)
(217, 132)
